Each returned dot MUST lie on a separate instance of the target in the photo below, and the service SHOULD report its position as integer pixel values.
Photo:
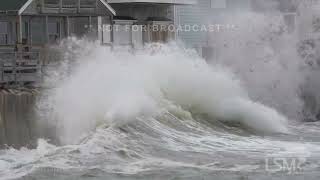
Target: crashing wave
(115, 88)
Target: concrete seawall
(17, 117)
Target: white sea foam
(114, 87)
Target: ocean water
(162, 112)
(158, 113)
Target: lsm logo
(289, 165)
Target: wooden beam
(111, 33)
(68, 26)
(46, 29)
(100, 29)
(19, 29)
(90, 23)
(60, 28)
(96, 8)
(60, 6)
(79, 6)
(42, 6)
(29, 31)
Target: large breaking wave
(162, 112)
(104, 87)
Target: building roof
(11, 5)
(21, 5)
(106, 4)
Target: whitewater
(160, 112)
(163, 112)
(116, 88)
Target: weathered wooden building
(205, 12)
(212, 12)
(27, 27)
(151, 20)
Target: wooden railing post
(60, 6)
(20, 29)
(14, 64)
(2, 71)
(46, 29)
(79, 6)
(96, 7)
(68, 26)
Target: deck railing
(67, 5)
(3, 39)
(17, 67)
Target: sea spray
(262, 52)
(155, 131)
(117, 87)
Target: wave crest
(116, 87)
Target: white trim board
(25, 6)
(108, 7)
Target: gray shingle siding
(190, 15)
(202, 13)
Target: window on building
(106, 33)
(218, 4)
(37, 31)
(87, 3)
(51, 2)
(53, 31)
(122, 30)
(79, 26)
(3, 32)
(137, 36)
(159, 29)
(104, 29)
(239, 4)
(25, 31)
(122, 34)
(69, 3)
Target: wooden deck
(19, 67)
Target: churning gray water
(162, 112)
(158, 113)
